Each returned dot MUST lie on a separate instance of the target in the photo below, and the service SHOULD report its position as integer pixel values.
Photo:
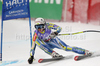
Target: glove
(53, 34)
(30, 60)
(56, 33)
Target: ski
(95, 54)
(54, 59)
(76, 58)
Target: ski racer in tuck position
(47, 40)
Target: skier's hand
(30, 60)
(53, 34)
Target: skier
(47, 40)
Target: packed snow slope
(16, 43)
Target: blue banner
(13, 9)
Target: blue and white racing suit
(47, 44)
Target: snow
(16, 43)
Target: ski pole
(79, 32)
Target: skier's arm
(55, 27)
(33, 45)
(32, 51)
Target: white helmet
(40, 21)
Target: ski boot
(88, 52)
(56, 55)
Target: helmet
(40, 23)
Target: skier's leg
(43, 46)
(69, 48)
(47, 48)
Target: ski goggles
(40, 26)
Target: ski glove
(30, 60)
(53, 34)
